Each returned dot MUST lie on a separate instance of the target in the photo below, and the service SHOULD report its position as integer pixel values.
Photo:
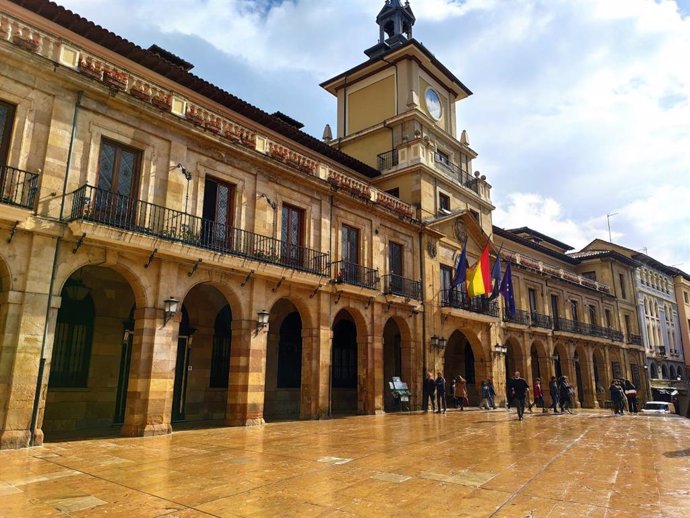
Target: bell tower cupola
(395, 23)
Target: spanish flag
(479, 276)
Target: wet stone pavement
(472, 463)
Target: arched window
(664, 372)
(653, 371)
(69, 365)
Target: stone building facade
(575, 315)
(172, 253)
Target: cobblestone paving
(472, 463)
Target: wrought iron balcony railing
(462, 177)
(584, 328)
(520, 317)
(634, 339)
(18, 187)
(387, 160)
(454, 298)
(539, 320)
(114, 210)
(355, 274)
(397, 285)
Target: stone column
(24, 316)
(588, 385)
(316, 372)
(247, 378)
(375, 372)
(151, 374)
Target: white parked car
(659, 407)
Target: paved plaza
(471, 463)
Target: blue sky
(581, 107)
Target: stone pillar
(316, 372)
(375, 372)
(588, 385)
(247, 378)
(24, 316)
(151, 374)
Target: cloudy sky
(580, 109)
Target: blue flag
(495, 278)
(506, 290)
(460, 269)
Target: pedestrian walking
(461, 392)
(440, 393)
(492, 393)
(631, 395)
(485, 394)
(565, 395)
(616, 397)
(428, 389)
(538, 396)
(553, 392)
(519, 389)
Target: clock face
(433, 103)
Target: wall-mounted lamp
(501, 349)
(170, 310)
(262, 319)
(442, 342)
(556, 357)
(434, 341)
(75, 288)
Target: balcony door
(292, 236)
(218, 213)
(350, 249)
(395, 267)
(118, 184)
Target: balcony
(355, 274)
(397, 285)
(634, 339)
(387, 160)
(539, 320)
(454, 298)
(114, 210)
(584, 328)
(17, 187)
(520, 317)
(455, 172)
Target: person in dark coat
(631, 394)
(440, 393)
(553, 391)
(616, 397)
(428, 389)
(518, 390)
(565, 395)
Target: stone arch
(348, 363)
(92, 334)
(285, 361)
(202, 377)
(464, 356)
(139, 285)
(5, 274)
(514, 358)
(561, 360)
(653, 371)
(240, 310)
(539, 362)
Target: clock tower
(396, 113)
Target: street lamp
(262, 319)
(170, 310)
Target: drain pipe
(422, 272)
(58, 241)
